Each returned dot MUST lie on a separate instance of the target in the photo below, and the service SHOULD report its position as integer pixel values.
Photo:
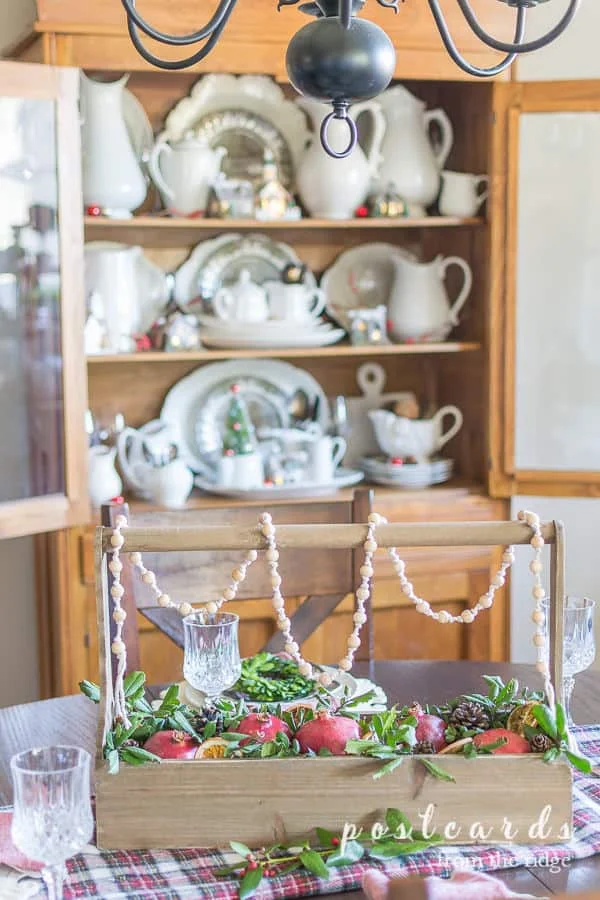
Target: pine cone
(423, 747)
(540, 743)
(471, 715)
(208, 715)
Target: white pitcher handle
(454, 428)
(466, 287)
(445, 126)
(124, 465)
(154, 168)
(482, 182)
(373, 152)
(319, 300)
(339, 449)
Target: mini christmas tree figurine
(238, 436)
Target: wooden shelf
(140, 227)
(341, 350)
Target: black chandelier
(340, 59)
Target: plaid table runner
(187, 874)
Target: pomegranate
(172, 745)
(329, 732)
(262, 727)
(515, 743)
(433, 729)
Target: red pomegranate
(262, 727)
(329, 732)
(172, 745)
(515, 743)
(433, 729)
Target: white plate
(308, 338)
(408, 476)
(256, 94)
(220, 260)
(343, 478)
(362, 276)
(270, 326)
(194, 399)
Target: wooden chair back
(319, 575)
(325, 538)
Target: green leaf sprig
(323, 852)
(554, 725)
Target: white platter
(343, 478)
(232, 340)
(408, 475)
(361, 277)
(193, 405)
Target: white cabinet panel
(574, 55)
(557, 422)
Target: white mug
(243, 471)
(326, 453)
(461, 194)
(294, 302)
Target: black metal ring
(353, 135)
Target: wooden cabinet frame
(42, 514)
(511, 101)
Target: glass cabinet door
(42, 368)
(550, 440)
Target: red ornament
(268, 482)
(93, 211)
(235, 388)
(362, 212)
(397, 461)
(229, 453)
(143, 343)
(118, 500)
(236, 426)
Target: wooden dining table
(72, 720)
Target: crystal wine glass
(52, 819)
(579, 647)
(212, 654)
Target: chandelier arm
(177, 64)
(456, 56)
(345, 13)
(223, 10)
(528, 47)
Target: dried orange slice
(212, 748)
(522, 717)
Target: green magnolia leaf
(395, 819)
(112, 758)
(356, 701)
(325, 837)
(139, 755)
(561, 723)
(437, 771)
(209, 730)
(580, 762)
(250, 881)
(183, 723)
(388, 767)
(133, 683)
(551, 755)
(324, 751)
(545, 720)
(353, 852)
(357, 747)
(90, 690)
(507, 693)
(311, 860)
(240, 849)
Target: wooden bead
(359, 618)
(117, 540)
(538, 617)
(532, 519)
(366, 571)
(538, 592)
(508, 557)
(535, 566)
(408, 587)
(119, 615)
(467, 616)
(251, 556)
(541, 667)
(117, 590)
(268, 530)
(266, 518)
(375, 519)
(370, 546)
(115, 566)
(284, 624)
(291, 647)
(164, 600)
(362, 594)
(272, 555)
(485, 601)
(135, 558)
(305, 669)
(444, 617)
(275, 581)
(277, 602)
(229, 594)
(212, 608)
(121, 521)
(422, 607)
(118, 647)
(325, 679)
(238, 575)
(399, 567)
(354, 641)
(498, 581)
(185, 609)
(149, 578)
(539, 640)
(537, 541)
(345, 664)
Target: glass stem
(568, 685)
(53, 879)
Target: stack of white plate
(273, 334)
(411, 476)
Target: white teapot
(421, 438)
(136, 447)
(184, 172)
(244, 301)
(418, 305)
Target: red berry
(253, 864)
(335, 842)
(397, 461)
(93, 211)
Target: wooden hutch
(472, 370)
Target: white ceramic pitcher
(112, 177)
(333, 188)
(418, 306)
(103, 479)
(410, 161)
(136, 445)
(184, 172)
